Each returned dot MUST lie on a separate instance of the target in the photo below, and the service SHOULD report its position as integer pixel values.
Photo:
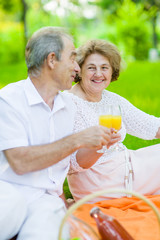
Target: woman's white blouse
(134, 122)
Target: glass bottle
(109, 228)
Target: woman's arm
(139, 123)
(87, 157)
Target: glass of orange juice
(105, 119)
(110, 116)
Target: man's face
(67, 67)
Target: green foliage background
(127, 23)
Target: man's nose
(76, 67)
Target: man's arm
(32, 158)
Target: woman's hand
(158, 133)
(115, 137)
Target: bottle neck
(100, 216)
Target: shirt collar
(58, 102)
(31, 92)
(34, 97)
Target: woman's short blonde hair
(104, 48)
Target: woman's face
(96, 73)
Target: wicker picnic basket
(98, 193)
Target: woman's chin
(98, 89)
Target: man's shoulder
(12, 90)
(12, 96)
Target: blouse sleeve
(137, 122)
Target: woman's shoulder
(74, 97)
(78, 102)
(111, 95)
(114, 98)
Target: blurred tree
(133, 30)
(111, 5)
(16, 10)
(153, 7)
(9, 6)
(23, 19)
(130, 19)
(84, 19)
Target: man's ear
(51, 59)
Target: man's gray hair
(43, 42)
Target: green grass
(138, 83)
(12, 73)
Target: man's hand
(98, 136)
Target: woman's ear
(51, 59)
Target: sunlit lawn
(139, 83)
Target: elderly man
(36, 122)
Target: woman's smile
(96, 73)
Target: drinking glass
(116, 117)
(110, 116)
(116, 121)
(105, 119)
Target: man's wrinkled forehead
(69, 45)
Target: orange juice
(105, 120)
(116, 122)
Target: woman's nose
(98, 72)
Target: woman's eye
(91, 68)
(105, 68)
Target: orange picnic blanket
(134, 214)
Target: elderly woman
(133, 169)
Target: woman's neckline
(78, 91)
(84, 100)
